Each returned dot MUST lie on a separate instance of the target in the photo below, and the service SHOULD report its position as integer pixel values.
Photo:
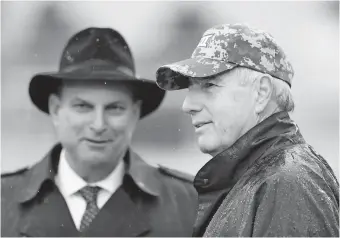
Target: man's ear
(54, 103)
(264, 87)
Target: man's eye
(82, 107)
(209, 85)
(116, 108)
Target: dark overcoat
(151, 202)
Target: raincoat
(269, 183)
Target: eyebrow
(90, 103)
(214, 79)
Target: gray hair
(281, 91)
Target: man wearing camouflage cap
(263, 179)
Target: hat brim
(43, 84)
(176, 76)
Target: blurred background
(33, 35)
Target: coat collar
(143, 175)
(224, 170)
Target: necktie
(90, 195)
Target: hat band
(97, 66)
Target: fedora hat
(96, 54)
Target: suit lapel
(120, 216)
(45, 212)
(50, 217)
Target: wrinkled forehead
(219, 78)
(92, 83)
(96, 86)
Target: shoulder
(13, 173)
(298, 163)
(11, 184)
(288, 163)
(176, 174)
(298, 171)
(294, 188)
(296, 184)
(177, 180)
(13, 176)
(169, 181)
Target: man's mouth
(98, 141)
(200, 124)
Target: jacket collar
(224, 170)
(143, 175)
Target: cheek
(239, 104)
(229, 111)
(124, 124)
(71, 123)
(239, 96)
(223, 110)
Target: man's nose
(99, 124)
(191, 104)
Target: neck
(92, 172)
(270, 110)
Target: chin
(207, 147)
(94, 158)
(212, 152)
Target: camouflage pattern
(223, 48)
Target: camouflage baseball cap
(223, 48)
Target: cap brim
(43, 84)
(176, 76)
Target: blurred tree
(332, 8)
(169, 127)
(49, 36)
(42, 35)
(190, 22)
(5, 52)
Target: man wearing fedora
(92, 183)
(263, 179)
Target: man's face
(94, 120)
(222, 110)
